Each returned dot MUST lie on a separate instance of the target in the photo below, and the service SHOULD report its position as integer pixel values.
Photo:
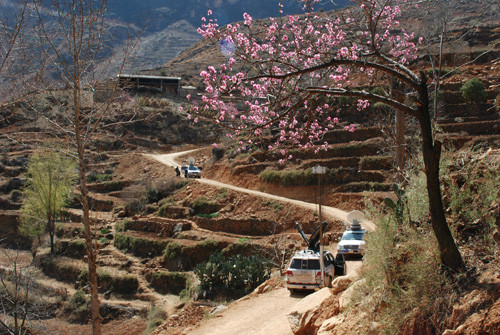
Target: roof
(308, 254)
(139, 76)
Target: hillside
(153, 229)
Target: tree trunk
(450, 255)
(400, 143)
(89, 239)
(51, 234)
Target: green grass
(170, 282)
(140, 247)
(209, 216)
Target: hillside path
(266, 313)
(330, 212)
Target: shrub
(366, 186)
(474, 90)
(172, 251)
(289, 178)
(76, 249)
(239, 248)
(169, 282)
(163, 210)
(79, 301)
(125, 285)
(232, 277)
(150, 208)
(202, 205)
(127, 224)
(140, 247)
(134, 206)
(181, 184)
(402, 264)
(96, 177)
(153, 195)
(156, 316)
(16, 195)
(68, 273)
(166, 201)
(471, 186)
(119, 226)
(222, 193)
(402, 268)
(187, 256)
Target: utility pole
(320, 170)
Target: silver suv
(304, 272)
(193, 172)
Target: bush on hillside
(186, 257)
(402, 266)
(202, 205)
(140, 247)
(79, 301)
(473, 90)
(232, 277)
(156, 317)
(170, 282)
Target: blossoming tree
(290, 71)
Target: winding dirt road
(266, 313)
(330, 212)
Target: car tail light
(289, 273)
(318, 274)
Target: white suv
(304, 272)
(193, 172)
(352, 242)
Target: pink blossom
(303, 44)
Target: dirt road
(329, 212)
(262, 315)
(266, 313)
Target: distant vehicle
(193, 172)
(304, 271)
(352, 241)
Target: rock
(301, 315)
(177, 228)
(328, 325)
(375, 328)
(449, 332)
(341, 283)
(496, 235)
(347, 296)
(217, 309)
(262, 288)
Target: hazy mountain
(163, 13)
(171, 25)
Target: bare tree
(74, 36)
(21, 309)
(13, 20)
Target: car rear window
(305, 264)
